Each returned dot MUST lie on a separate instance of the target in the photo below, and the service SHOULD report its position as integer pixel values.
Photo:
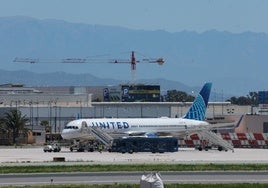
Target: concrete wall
(253, 123)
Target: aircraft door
(185, 125)
(84, 127)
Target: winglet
(239, 121)
(198, 109)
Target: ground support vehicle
(52, 147)
(144, 144)
(84, 146)
(210, 147)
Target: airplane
(192, 122)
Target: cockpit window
(70, 127)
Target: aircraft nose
(64, 134)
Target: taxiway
(35, 155)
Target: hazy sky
(170, 15)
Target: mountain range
(31, 79)
(234, 62)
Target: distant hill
(235, 63)
(67, 79)
(31, 79)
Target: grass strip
(131, 167)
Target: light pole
(37, 113)
(55, 118)
(31, 113)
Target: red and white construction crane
(132, 61)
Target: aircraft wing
(191, 130)
(217, 126)
(222, 126)
(185, 132)
(226, 125)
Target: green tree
(15, 124)
(178, 96)
(253, 96)
(45, 124)
(250, 99)
(3, 130)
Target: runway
(35, 155)
(133, 178)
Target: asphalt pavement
(133, 178)
(36, 155)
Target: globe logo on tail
(198, 109)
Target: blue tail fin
(198, 109)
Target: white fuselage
(129, 126)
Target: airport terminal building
(59, 105)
